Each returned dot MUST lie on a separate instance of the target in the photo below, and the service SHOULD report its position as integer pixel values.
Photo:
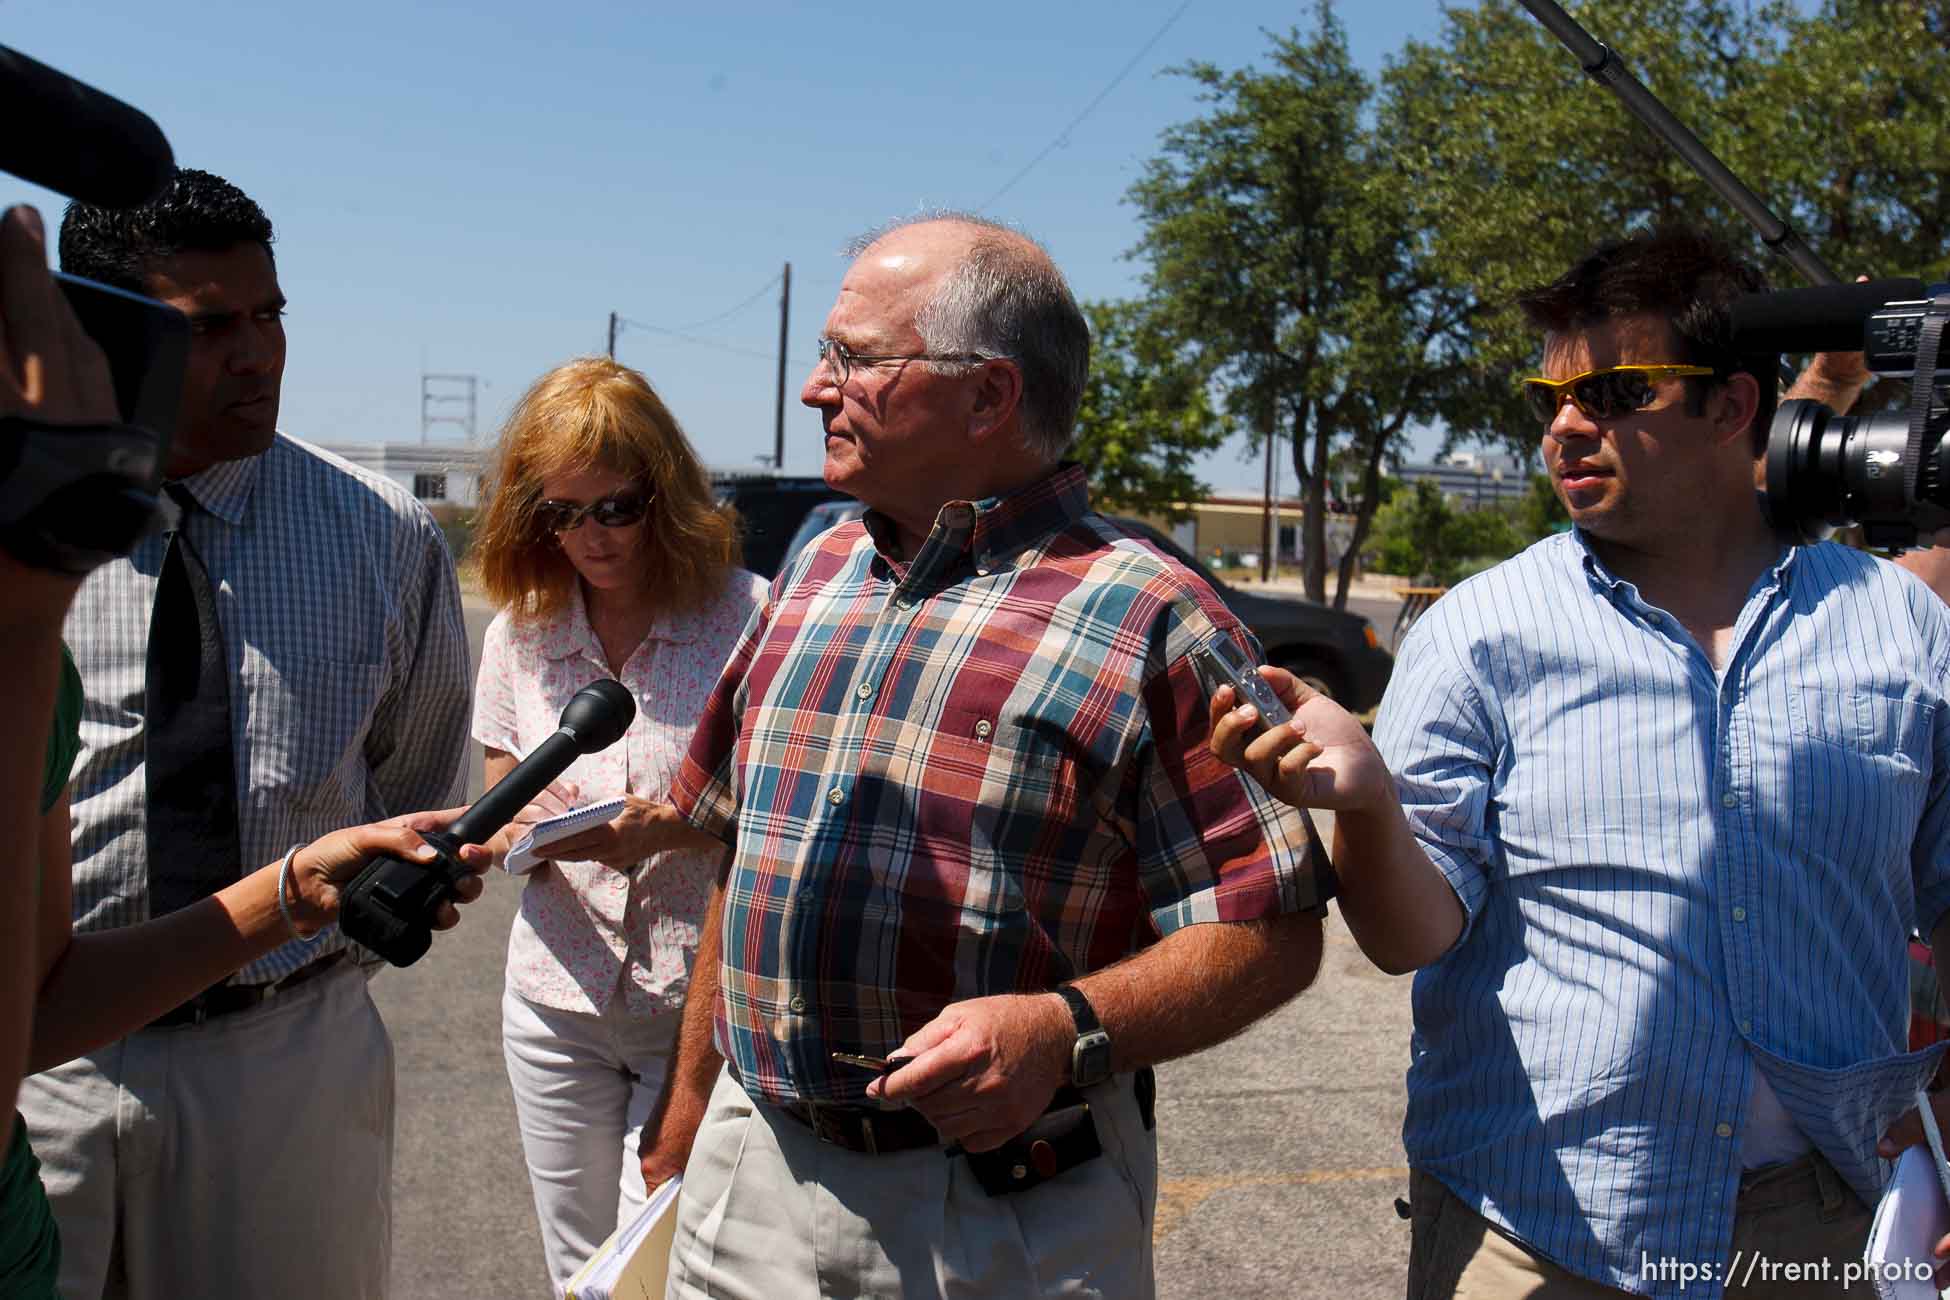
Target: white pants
(248, 1156)
(769, 1212)
(583, 1087)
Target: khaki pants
(248, 1156)
(769, 1212)
(1788, 1220)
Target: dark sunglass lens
(552, 516)
(1543, 401)
(618, 512)
(1616, 393)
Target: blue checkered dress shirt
(348, 672)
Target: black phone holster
(1062, 1138)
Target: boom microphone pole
(1605, 68)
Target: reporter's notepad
(634, 1263)
(526, 855)
(1912, 1214)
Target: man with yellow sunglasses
(1662, 799)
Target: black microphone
(389, 905)
(1823, 318)
(77, 141)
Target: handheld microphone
(77, 141)
(389, 905)
(1878, 317)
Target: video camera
(72, 498)
(1887, 471)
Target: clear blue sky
(474, 188)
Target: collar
(224, 489)
(995, 531)
(569, 634)
(1605, 581)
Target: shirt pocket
(1859, 771)
(305, 727)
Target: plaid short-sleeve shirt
(980, 772)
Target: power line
(1088, 109)
(704, 343)
(760, 292)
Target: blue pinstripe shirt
(1673, 878)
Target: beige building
(1228, 528)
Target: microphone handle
(516, 790)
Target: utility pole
(612, 336)
(778, 428)
(460, 391)
(1267, 537)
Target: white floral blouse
(580, 922)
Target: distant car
(1335, 652)
(818, 519)
(772, 505)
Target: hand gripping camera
(389, 905)
(1887, 471)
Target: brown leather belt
(872, 1131)
(864, 1128)
(226, 999)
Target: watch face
(1090, 1059)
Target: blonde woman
(603, 545)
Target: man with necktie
(287, 656)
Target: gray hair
(1007, 299)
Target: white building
(436, 472)
(1472, 479)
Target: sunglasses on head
(1605, 393)
(618, 510)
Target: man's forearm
(31, 662)
(1397, 904)
(1201, 985)
(694, 1064)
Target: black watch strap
(1081, 1011)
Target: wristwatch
(1090, 1055)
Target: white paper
(1911, 1217)
(633, 1263)
(526, 855)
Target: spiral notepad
(526, 854)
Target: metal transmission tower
(440, 392)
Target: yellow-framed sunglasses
(1605, 393)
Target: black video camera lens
(1826, 471)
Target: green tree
(1421, 535)
(1146, 415)
(1541, 513)
(1280, 253)
(1515, 162)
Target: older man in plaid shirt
(959, 757)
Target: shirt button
(798, 1005)
(1739, 913)
(1724, 1130)
(836, 796)
(983, 728)
(864, 690)
(1730, 800)
(1747, 1027)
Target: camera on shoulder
(1888, 471)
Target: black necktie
(188, 757)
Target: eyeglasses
(1605, 393)
(841, 359)
(618, 510)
